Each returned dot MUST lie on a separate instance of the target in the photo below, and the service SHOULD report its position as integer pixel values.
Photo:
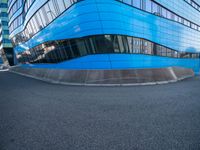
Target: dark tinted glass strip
(62, 50)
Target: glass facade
(159, 10)
(55, 31)
(44, 16)
(193, 4)
(62, 50)
(6, 50)
(53, 8)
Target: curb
(101, 85)
(4, 70)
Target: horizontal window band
(63, 50)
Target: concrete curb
(4, 70)
(49, 80)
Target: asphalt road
(35, 115)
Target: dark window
(58, 51)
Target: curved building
(105, 34)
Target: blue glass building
(6, 49)
(105, 34)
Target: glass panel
(128, 2)
(137, 3)
(67, 3)
(130, 44)
(115, 44)
(148, 5)
(121, 45)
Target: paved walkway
(35, 115)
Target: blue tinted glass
(137, 3)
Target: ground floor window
(62, 50)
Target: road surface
(36, 115)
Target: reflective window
(157, 9)
(128, 2)
(62, 50)
(137, 3)
(193, 4)
(53, 8)
(41, 19)
(148, 5)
